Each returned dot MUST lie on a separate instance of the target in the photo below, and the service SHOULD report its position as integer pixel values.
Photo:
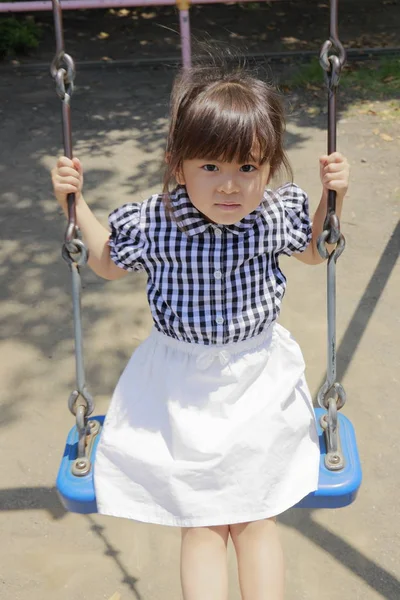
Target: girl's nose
(228, 186)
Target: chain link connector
(81, 426)
(324, 239)
(81, 398)
(63, 72)
(332, 64)
(332, 224)
(83, 464)
(324, 56)
(75, 252)
(329, 392)
(334, 460)
(72, 233)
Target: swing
(340, 468)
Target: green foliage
(17, 36)
(308, 73)
(380, 76)
(377, 75)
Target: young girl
(211, 427)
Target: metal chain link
(62, 70)
(332, 395)
(74, 251)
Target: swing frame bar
(182, 5)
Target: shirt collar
(193, 222)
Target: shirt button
(217, 274)
(219, 320)
(217, 232)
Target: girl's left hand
(334, 173)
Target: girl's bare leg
(204, 570)
(260, 560)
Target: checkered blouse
(208, 283)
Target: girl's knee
(200, 533)
(252, 527)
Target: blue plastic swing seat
(335, 489)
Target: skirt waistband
(206, 353)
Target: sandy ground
(119, 120)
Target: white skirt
(208, 435)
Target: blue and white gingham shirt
(208, 283)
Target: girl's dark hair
(224, 113)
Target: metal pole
(185, 37)
(45, 5)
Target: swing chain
(63, 72)
(332, 392)
(80, 396)
(74, 251)
(62, 68)
(333, 63)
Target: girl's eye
(247, 168)
(210, 168)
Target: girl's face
(225, 192)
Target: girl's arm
(334, 173)
(67, 178)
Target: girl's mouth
(228, 207)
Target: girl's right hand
(67, 178)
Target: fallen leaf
(389, 78)
(123, 12)
(103, 35)
(313, 88)
(313, 111)
(149, 15)
(386, 137)
(115, 596)
(290, 40)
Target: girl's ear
(179, 176)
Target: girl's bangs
(227, 134)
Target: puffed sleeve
(127, 241)
(297, 224)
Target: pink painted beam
(185, 38)
(45, 5)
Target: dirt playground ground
(119, 124)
